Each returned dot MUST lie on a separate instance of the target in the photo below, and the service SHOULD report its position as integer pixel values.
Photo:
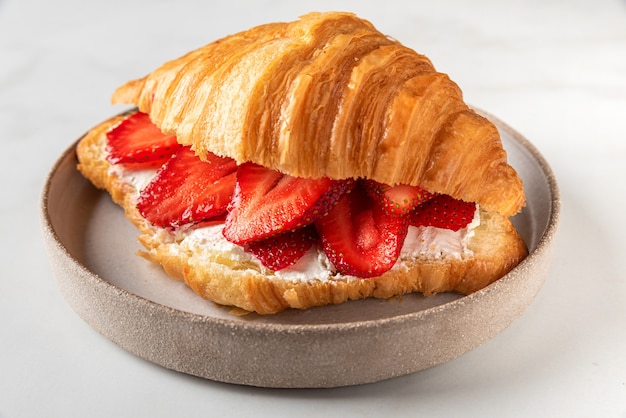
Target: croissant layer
(329, 95)
(220, 276)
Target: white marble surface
(554, 70)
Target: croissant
(330, 85)
(324, 97)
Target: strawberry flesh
(267, 202)
(187, 190)
(284, 250)
(361, 225)
(359, 237)
(397, 200)
(137, 142)
(443, 211)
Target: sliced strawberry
(137, 141)
(359, 237)
(397, 200)
(188, 190)
(443, 211)
(267, 202)
(215, 220)
(284, 250)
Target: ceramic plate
(133, 303)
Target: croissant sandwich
(309, 163)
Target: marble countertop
(553, 70)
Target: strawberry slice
(359, 237)
(443, 211)
(284, 250)
(397, 200)
(138, 142)
(267, 202)
(215, 220)
(188, 190)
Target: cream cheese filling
(420, 242)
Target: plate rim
(539, 253)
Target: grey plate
(133, 303)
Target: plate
(134, 304)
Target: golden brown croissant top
(329, 95)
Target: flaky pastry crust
(329, 95)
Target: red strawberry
(215, 220)
(359, 237)
(443, 211)
(397, 200)
(284, 250)
(136, 140)
(267, 203)
(188, 190)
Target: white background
(553, 70)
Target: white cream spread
(428, 242)
(438, 242)
(138, 178)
